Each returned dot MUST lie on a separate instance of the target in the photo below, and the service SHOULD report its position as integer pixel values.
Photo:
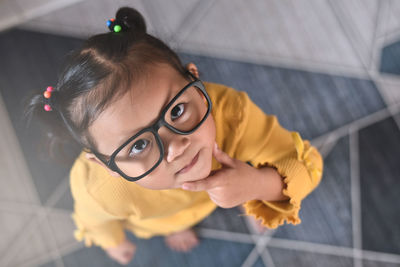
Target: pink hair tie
(47, 95)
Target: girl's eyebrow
(170, 95)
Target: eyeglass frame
(154, 130)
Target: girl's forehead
(136, 109)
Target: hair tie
(116, 25)
(47, 98)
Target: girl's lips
(190, 165)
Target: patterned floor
(351, 112)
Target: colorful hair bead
(114, 25)
(47, 95)
(117, 28)
(47, 107)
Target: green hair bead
(117, 28)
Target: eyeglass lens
(142, 153)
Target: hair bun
(132, 20)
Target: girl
(162, 149)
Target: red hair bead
(50, 89)
(47, 107)
(47, 94)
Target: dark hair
(94, 76)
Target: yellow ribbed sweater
(104, 205)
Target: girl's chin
(196, 174)
(199, 171)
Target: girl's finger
(222, 157)
(201, 185)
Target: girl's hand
(235, 183)
(123, 253)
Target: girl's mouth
(190, 165)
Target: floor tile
(380, 170)
(359, 19)
(62, 227)
(389, 88)
(277, 29)
(379, 264)
(326, 213)
(92, 256)
(259, 263)
(265, 261)
(392, 19)
(153, 252)
(36, 245)
(219, 253)
(303, 101)
(283, 257)
(390, 58)
(230, 220)
(66, 202)
(13, 169)
(11, 225)
(49, 264)
(159, 13)
(32, 8)
(397, 116)
(17, 82)
(10, 14)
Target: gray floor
(326, 68)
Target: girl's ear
(93, 158)
(193, 69)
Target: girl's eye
(177, 111)
(138, 147)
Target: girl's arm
(286, 168)
(95, 225)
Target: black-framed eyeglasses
(144, 151)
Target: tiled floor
(318, 65)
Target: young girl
(162, 149)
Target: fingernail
(185, 187)
(216, 146)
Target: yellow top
(105, 205)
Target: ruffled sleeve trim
(301, 172)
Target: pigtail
(57, 141)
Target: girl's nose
(176, 147)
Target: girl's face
(186, 157)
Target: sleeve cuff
(275, 213)
(301, 173)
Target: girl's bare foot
(183, 241)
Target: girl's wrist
(270, 185)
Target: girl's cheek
(211, 130)
(158, 179)
(207, 131)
